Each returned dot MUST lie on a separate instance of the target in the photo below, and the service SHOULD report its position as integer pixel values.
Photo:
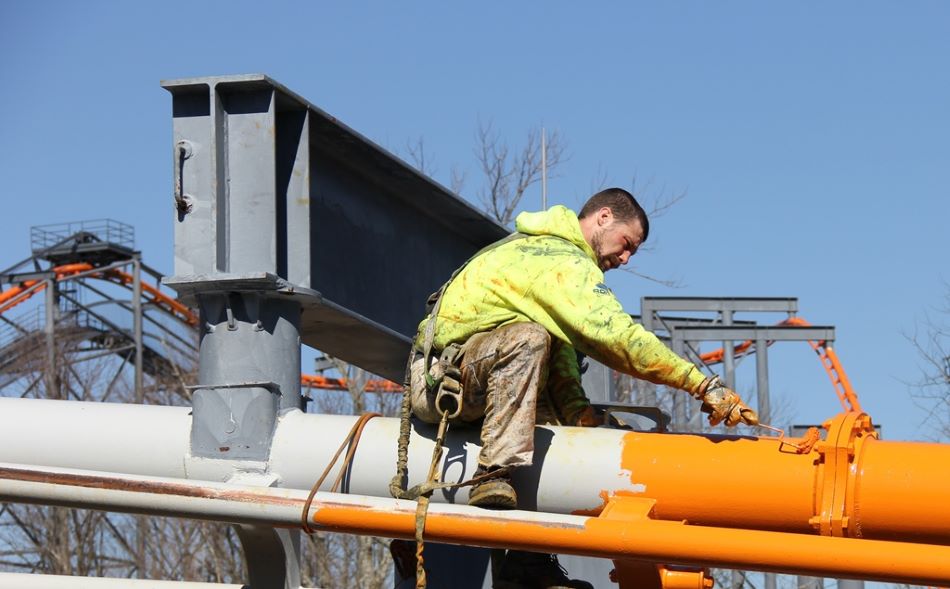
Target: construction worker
(505, 332)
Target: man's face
(615, 242)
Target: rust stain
(155, 488)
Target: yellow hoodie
(552, 278)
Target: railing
(105, 230)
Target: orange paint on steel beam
(849, 485)
(610, 536)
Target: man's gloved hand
(724, 405)
(587, 417)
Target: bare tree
(416, 152)
(931, 339)
(509, 172)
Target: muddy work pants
(503, 373)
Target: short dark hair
(624, 207)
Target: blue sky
(811, 138)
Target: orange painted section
(642, 538)
(876, 489)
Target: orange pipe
(623, 531)
(849, 485)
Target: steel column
(137, 326)
(728, 353)
(647, 389)
(762, 380)
(678, 398)
(51, 310)
(141, 528)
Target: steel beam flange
(834, 497)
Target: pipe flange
(835, 484)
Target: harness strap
(448, 359)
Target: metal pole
(544, 172)
(764, 407)
(248, 373)
(647, 389)
(679, 400)
(762, 381)
(728, 353)
(52, 379)
(141, 526)
(137, 325)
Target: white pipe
(573, 465)
(39, 581)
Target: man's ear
(604, 215)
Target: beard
(604, 262)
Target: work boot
(494, 492)
(532, 570)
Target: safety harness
(444, 377)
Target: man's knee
(530, 337)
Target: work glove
(724, 405)
(587, 417)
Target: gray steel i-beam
(269, 186)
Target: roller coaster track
(826, 355)
(20, 293)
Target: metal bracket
(234, 426)
(834, 500)
(655, 414)
(272, 555)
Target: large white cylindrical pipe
(573, 466)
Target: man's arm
(593, 321)
(564, 384)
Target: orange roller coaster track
(826, 355)
(23, 291)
